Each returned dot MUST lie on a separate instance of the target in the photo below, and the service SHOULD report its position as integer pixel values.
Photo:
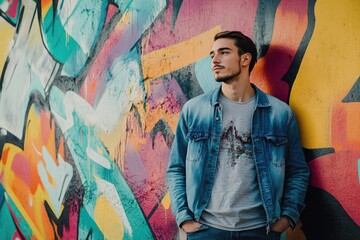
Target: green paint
(87, 227)
(79, 138)
(23, 225)
(7, 230)
(60, 44)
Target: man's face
(225, 60)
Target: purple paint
(165, 94)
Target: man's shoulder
(265, 99)
(274, 101)
(280, 108)
(199, 100)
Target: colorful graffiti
(90, 93)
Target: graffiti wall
(90, 94)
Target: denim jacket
(279, 159)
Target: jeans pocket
(202, 227)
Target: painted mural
(90, 93)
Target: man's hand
(189, 226)
(281, 225)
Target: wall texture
(91, 91)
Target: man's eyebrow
(221, 49)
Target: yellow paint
(45, 6)
(166, 201)
(100, 150)
(331, 63)
(124, 21)
(7, 34)
(107, 219)
(172, 58)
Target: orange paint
(45, 6)
(20, 174)
(345, 129)
(4, 155)
(290, 24)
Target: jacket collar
(261, 98)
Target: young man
(237, 168)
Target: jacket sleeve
(176, 175)
(296, 175)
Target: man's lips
(216, 68)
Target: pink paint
(126, 33)
(21, 167)
(145, 166)
(16, 236)
(165, 94)
(71, 232)
(338, 175)
(12, 11)
(95, 80)
(163, 223)
(196, 17)
(277, 62)
(112, 9)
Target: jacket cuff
(292, 216)
(183, 216)
(291, 221)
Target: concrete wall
(91, 91)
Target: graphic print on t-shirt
(235, 203)
(236, 145)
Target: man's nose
(215, 59)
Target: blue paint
(205, 75)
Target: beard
(228, 78)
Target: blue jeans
(211, 233)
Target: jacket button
(217, 118)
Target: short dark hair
(243, 43)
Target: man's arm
(296, 176)
(176, 176)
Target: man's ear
(245, 59)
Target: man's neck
(238, 91)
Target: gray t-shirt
(235, 202)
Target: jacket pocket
(197, 145)
(277, 149)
